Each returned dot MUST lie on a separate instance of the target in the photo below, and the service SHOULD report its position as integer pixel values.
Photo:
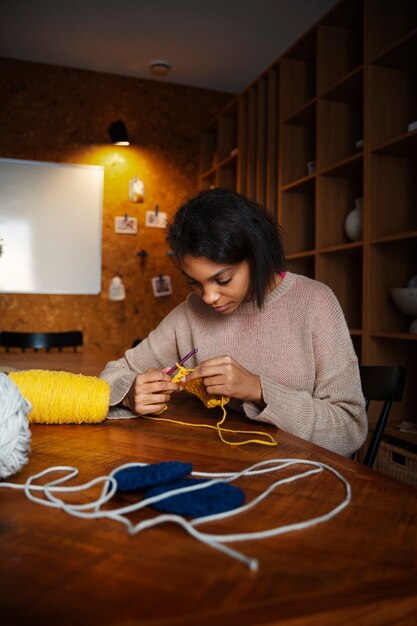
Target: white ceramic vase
(406, 300)
(353, 222)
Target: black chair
(384, 383)
(37, 341)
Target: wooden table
(358, 568)
(88, 363)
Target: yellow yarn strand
(62, 397)
(197, 388)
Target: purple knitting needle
(184, 358)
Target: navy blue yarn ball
(217, 498)
(142, 477)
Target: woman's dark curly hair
(225, 227)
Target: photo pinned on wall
(156, 218)
(136, 190)
(126, 225)
(161, 285)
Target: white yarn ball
(14, 428)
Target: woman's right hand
(150, 392)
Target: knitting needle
(183, 360)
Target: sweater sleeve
(160, 349)
(334, 415)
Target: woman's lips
(222, 308)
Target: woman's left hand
(225, 377)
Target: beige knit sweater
(298, 344)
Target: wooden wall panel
(272, 143)
(260, 165)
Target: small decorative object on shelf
(406, 300)
(412, 282)
(359, 144)
(412, 126)
(353, 222)
(311, 167)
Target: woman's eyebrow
(216, 275)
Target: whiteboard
(50, 226)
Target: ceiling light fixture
(118, 133)
(160, 68)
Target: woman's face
(223, 286)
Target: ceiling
(214, 44)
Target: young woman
(277, 343)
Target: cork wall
(56, 114)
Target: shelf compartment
(209, 180)
(339, 51)
(340, 126)
(297, 220)
(393, 263)
(298, 149)
(346, 14)
(226, 137)
(208, 142)
(402, 55)
(352, 166)
(404, 236)
(395, 336)
(342, 272)
(387, 351)
(342, 247)
(388, 21)
(393, 109)
(223, 175)
(227, 174)
(298, 75)
(302, 185)
(258, 141)
(336, 198)
(348, 89)
(242, 136)
(404, 145)
(305, 115)
(261, 140)
(393, 196)
(230, 161)
(272, 141)
(302, 264)
(219, 139)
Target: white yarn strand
(93, 510)
(14, 428)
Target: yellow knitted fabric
(211, 401)
(197, 388)
(63, 398)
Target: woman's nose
(210, 295)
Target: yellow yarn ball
(63, 398)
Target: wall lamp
(118, 133)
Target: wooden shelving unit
(219, 150)
(326, 124)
